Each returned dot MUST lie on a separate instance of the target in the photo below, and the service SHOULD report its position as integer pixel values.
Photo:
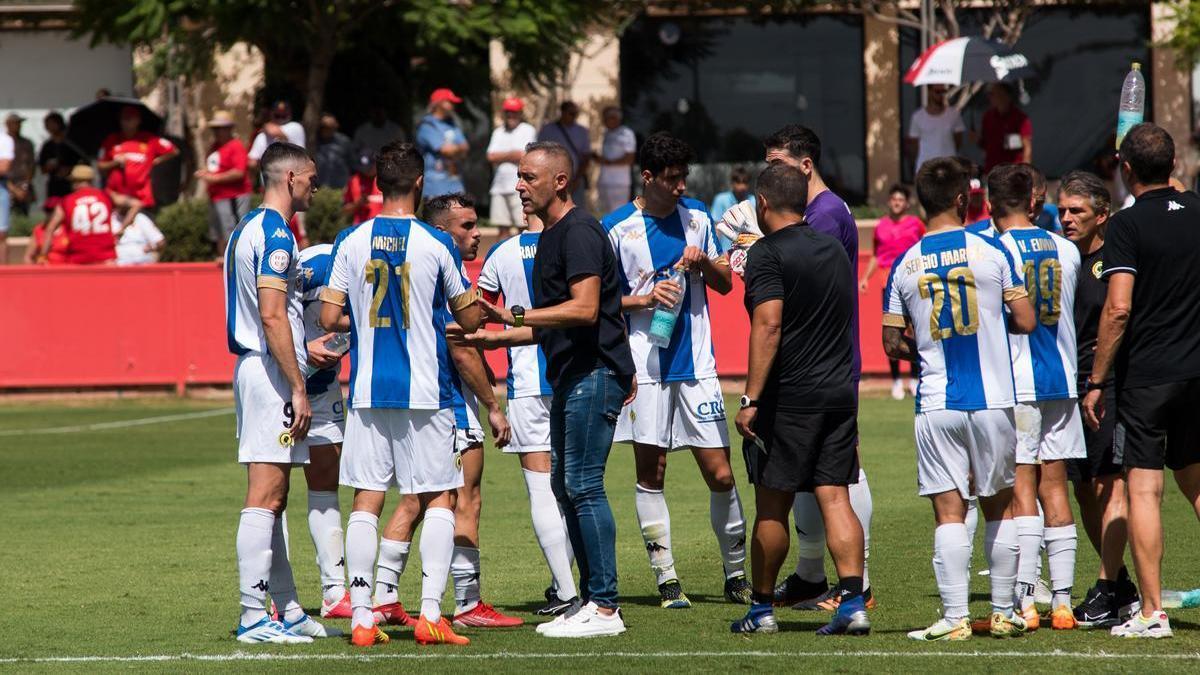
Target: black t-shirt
(58, 185)
(575, 247)
(809, 271)
(1158, 240)
(1090, 292)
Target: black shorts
(803, 450)
(1158, 425)
(1100, 460)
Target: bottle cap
(1137, 66)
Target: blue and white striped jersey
(984, 228)
(1044, 362)
(314, 273)
(466, 406)
(397, 275)
(261, 254)
(508, 270)
(646, 245)
(952, 286)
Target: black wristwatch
(518, 313)
(748, 402)
(1088, 385)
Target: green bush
(185, 226)
(325, 218)
(20, 225)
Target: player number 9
(1045, 286)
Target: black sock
(1123, 574)
(850, 587)
(1105, 585)
(762, 598)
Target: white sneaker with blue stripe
(306, 625)
(270, 631)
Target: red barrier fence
(164, 325)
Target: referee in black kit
(799, 413)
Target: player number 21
(959, 286)
(377, 273)
(1044, 284)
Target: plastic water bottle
(1133, 102)
(1174, 599)
(662, 324)
(339, 343)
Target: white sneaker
(545, 626)
(308, 626)
(267, 630)
(897, 390)
(1154, 626)
(587, 622)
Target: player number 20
(959, 287)
(1044, 285)
(377, 273)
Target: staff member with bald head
(577, 320)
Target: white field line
(918, 654)
(119, 424)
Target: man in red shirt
(227, 179)
(362, 198)
(1006, 135)
(86, 214)
(133, 154)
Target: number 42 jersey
(952, 286)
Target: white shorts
(328, 416)
(411, 449)
(264, 412)
(529, 418)
(1049, 430)
(506, 210)
(676, 415)
(954, 445)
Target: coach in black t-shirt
(1150, 332)
(798, 416)
(577, 320)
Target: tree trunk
(320, 61)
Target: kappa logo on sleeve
(1174, 206)
(279, 261)
(281, 233)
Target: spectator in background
(894, 234)
(376, 132)
(86, 216)
(505, 149)
(617, 153)
(57, 156)
(57, 253)
(935, 130)
(227, 177)
(567, 132)
(739, 190)
(132, 154)
(139, 241)
(335, 154)
(443, 145)
(1044, 215)
(281, 127)
(103, 92)
(7, 152)
(362, 199)
(1006, 134)
(20, 174)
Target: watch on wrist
(747, 402)
(1088, 385)
(518, 313)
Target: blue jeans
(583, 418)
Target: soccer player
(1083, 203)
(394, 273)
(952, 288)
(133, 154)
(265, 328)
(86, 216)
(680, 404)
(324, 443)
(1049, 426)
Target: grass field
(118, 544)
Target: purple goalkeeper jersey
(827, 213)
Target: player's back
(1044, 362)
(398, 274)
(508, 271)
(952, 286)
(261, 253)
(88, 215)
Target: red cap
(512, 104)
(443, 94)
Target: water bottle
(1174, 599)
(339, 343)
(1133, 102)
(662, 324)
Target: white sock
(283, 586)
(655, 522)
(972, 521)
(1061, 543)
(810, 537)
(362, 542)
(725, 514)
(254, 562)
(437, 547)
(551, 532)
(864, 507)
(1000, 547)
(951, 560)
(325, 527)
(393, 556)
(1029, 538)
(464, 567)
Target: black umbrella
(968, 59)
(92, 123)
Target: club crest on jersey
(1098, 268)
(285, 439)
(279, 261)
